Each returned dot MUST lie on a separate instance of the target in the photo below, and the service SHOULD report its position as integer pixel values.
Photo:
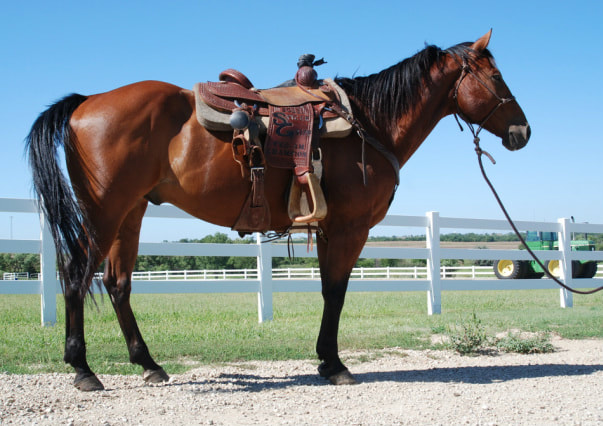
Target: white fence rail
(386, 273)
(265, 281)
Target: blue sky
(550, 54)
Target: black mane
(390, 93)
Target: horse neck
(434, 103)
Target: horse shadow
(244, 382)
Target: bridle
(465, 71)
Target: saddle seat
(223, 94)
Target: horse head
(483, 98)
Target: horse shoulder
(349, 199)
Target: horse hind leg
(74, 292)
(118, 283)
(75, 345)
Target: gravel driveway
(396, 387)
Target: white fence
(386, 273)
(264, 283)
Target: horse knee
(334, 298)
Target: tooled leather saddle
(278, 127)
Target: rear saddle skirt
(280, 132)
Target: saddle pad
(289, 140)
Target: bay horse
(143, 142)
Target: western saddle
(278, 127)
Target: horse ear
(482, 43)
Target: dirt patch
(395, 387)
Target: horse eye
(497, 77)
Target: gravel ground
(396, 387)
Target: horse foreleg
(337, 257)
(118, 282)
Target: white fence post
(48, 275)
(434, 294)
(265, 312)
(566, 297)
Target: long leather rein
(466, 70)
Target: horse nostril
(518, 136)
(520, 131)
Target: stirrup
(319, 204)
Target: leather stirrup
(319, 205)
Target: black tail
(73, 239)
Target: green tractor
(515, 269)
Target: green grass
(183, 331)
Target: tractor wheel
(510, 269)
(554, 267)
(588, 269)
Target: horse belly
(209, 184)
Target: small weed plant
(538, 344)
(468, 337)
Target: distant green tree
(20, 262)
(181, 263)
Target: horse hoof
(343, 378)
(88, 384)
(155, 376)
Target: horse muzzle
(517, 136)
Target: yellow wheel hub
(505, 267)
(554, 267)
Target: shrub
(468, 337)
(538, 344)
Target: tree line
(30, 263)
